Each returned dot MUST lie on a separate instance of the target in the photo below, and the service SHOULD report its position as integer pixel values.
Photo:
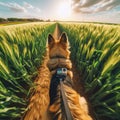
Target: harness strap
(67, 110)
(57, 56)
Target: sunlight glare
(64, 10)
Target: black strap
(58, 56)
(67, 110)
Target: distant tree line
(21, 19)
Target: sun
(64, 10)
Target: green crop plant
(22, 48)
(95, 48)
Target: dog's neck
(59, 62)
(53, 64)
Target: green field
(95, 48)
(11, 23)
(21, 52)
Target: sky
(68, 10)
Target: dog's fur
(40, 104)
(59, 53)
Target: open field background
(21, 51)
(11, 23)
(95, 49)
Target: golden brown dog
(59, 54)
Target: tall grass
(21, 52)
(96, 50)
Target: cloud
(108, 5)
(94, 6)
(37, 10)
(32, 11)
(30, 7)
(24, 8)
(27, 5)
(14, 7)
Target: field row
(96, 51)
(21, 52)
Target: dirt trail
(57, 32)
(76, 73)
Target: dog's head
(59, 53)
(58, 48)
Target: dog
(59, 57)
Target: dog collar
(57, 56)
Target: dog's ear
(63, 38)
(51, 40)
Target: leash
(67, 110)
(62, 73)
